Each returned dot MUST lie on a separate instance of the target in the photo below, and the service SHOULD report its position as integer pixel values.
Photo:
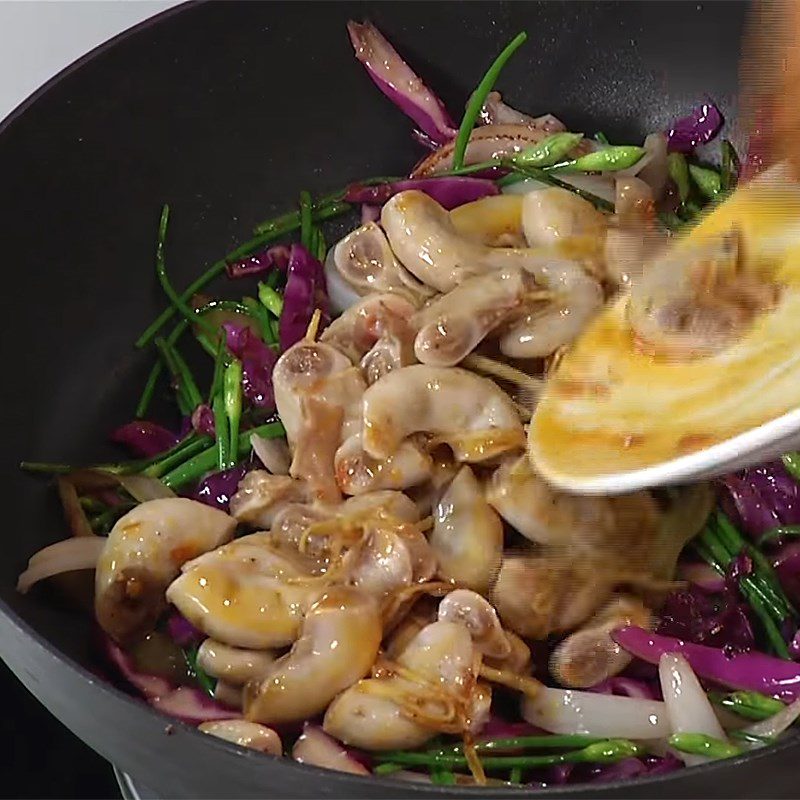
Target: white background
(38, 38)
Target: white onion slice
(776, 724)
(141, 488)
(317, 748)
(652, 166)
(688, 708)
(272, 453)
(80, 552)
(568, 711)
(340, 293)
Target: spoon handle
(770, 85)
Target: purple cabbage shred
(275, 257)
(217, 488)
(305, 293)
(203, 421)
(258, 361)
(698, 127)
(714, 619)
(143, 438)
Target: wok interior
(228, 134)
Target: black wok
(227, 111)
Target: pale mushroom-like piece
(144, 552)
(469, 413)
(382, 564)
(378, 713)
(228, 694)
(590, 655)
(474, 611)
(338, 645)
(315, 448)
(551, 323)
(317, 369)
(261, 495)
(386, 502)
(233, 665)
(467, 534)
(554, 215)
(538, 596)
(426, 240)
(245, 734)
(357, 472)
(315, 747)
(241, 594)
(451, 326)
(358, 329)
(366, 263)
(551, 517)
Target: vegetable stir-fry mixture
(345, 555)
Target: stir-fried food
(349, 537)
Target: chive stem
(266, 233)
(479, 98)
(606, 751)
(204, 462)
(270, 299)
(223, 447)
(305, 220)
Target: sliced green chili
(549, 151)
(609, 159)
(270, 299)
(679, 172)
(698, 744)
(232, 394)
(707, 181)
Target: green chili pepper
(515, 776)
(792, 463)
(750, 705)
(479, 98)
(258, 312)
(270, 299)
(698, 744)
(679, 172)
(729, 171)
(232, 394)
(549, 151)
(609, 159)
(707, 181)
